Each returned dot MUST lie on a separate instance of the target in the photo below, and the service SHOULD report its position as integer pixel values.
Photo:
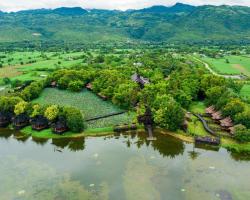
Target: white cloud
(14, 5)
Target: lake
(120, 167)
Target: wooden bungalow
(60, 126)
(207, 140)
(217, 116)
(5, 119)
(146, 118)
(39, 123)
(21, 121)
(226, 123)
(231, 130)
(53, 84)
(139, 79)
(210, 110)
(104, 98)
(89, 86)
(125, 127)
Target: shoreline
(227, 143)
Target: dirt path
(240, 77)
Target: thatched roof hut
(53, 84)
(5, 119)
(39, 123)
(147, 118)
(89, 86)
(232, 130)
(139, 79)
(21, 121)
(210, 110)
(217, 116)
(104, 98)
(60, 126)
(226, 123)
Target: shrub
(75, 86)
(51, 113)
(242, 134)
(74, 119)
(21, 108)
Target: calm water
(118, 168)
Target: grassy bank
(48, 134)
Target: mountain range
(180, 22)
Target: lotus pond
(124, 167)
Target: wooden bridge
(105, 116)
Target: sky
(16, 5)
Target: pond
(121, 167)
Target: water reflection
(124, 167)
(167, 146)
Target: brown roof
(227, 122)
(217, 116)
(89, 86)
(232, 130)
(210, 110)
(139, 79)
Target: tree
(51, 112)
(241, 133)
(168, 113)
(243, 118)
(37, 110)
(233, 107)
(213, 94)
(21, 108)
(126, 95)
(74, 119)
(7, 104)
(75, 86)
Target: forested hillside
(177, 23)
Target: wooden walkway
(204, 122)
(105, 116)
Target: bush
(51, 113)
(242, 134)
(74, 119)
(75, 86)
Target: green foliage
(243, 118)
(126, 95)
(75, 86)
(233, 107)
(7, 104)
(51, 113)
(146, 25)
(241, 133)
(168, 113)
(21, 108)
(74, 119)
(32, 91)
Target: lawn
(236, 65)
(245, 91)
(196, 128)
(197, 107)
(89, 104)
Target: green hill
(177, 23)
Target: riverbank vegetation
(76, 97)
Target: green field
(236, 65)
(34, 65)
(245, 91)
(89, 104)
